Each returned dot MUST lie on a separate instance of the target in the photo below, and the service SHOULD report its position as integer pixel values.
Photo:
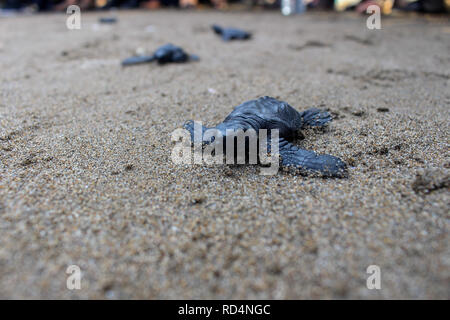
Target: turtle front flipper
(309, 161)
(217, 29)
(137, 60)
(315, 118)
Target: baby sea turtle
(164, 54)
(270, 113)
(231, 33)
(108, 20)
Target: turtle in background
(164, 54)
(228, 34)
(270, 113)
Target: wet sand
(86, 176)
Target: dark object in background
(429, 6)
(231, 33)
(270, 113)
(321, 4)
(39, 5)
(124, 4)
(164, 54)
(433, 6)
(109, 20)
(132, 4)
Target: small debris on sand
(431, 180)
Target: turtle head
(216, 29)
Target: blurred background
(286, 6)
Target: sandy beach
(86, 176)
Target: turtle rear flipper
(308, 161)
(315, 118)
(194, 57)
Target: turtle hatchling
(228, 34)
(270, 113)
(164, 54)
